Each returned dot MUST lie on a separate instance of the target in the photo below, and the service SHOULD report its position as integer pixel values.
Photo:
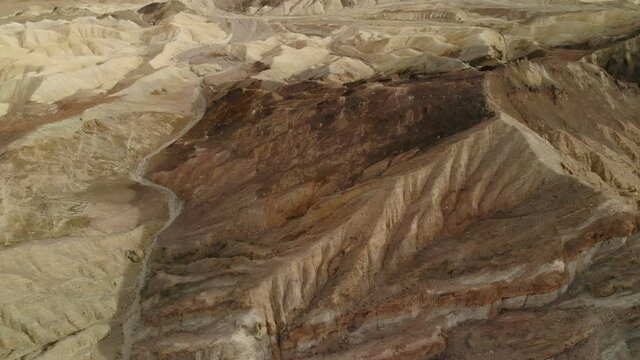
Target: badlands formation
(319, 179)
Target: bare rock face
(225, 179)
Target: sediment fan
(319, 179)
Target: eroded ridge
(369, 180)
(464, 197)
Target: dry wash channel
(369, 179)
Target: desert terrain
(319, 179)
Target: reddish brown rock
(377, 219)
(397, 180)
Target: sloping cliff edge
(197, 180)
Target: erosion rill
(216, 179)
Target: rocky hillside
(221, 179)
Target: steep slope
(369, 220)
(375, 180)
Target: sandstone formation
(266, 179)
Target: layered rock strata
(369, 221)
(368, 180)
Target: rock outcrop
(319, 180)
